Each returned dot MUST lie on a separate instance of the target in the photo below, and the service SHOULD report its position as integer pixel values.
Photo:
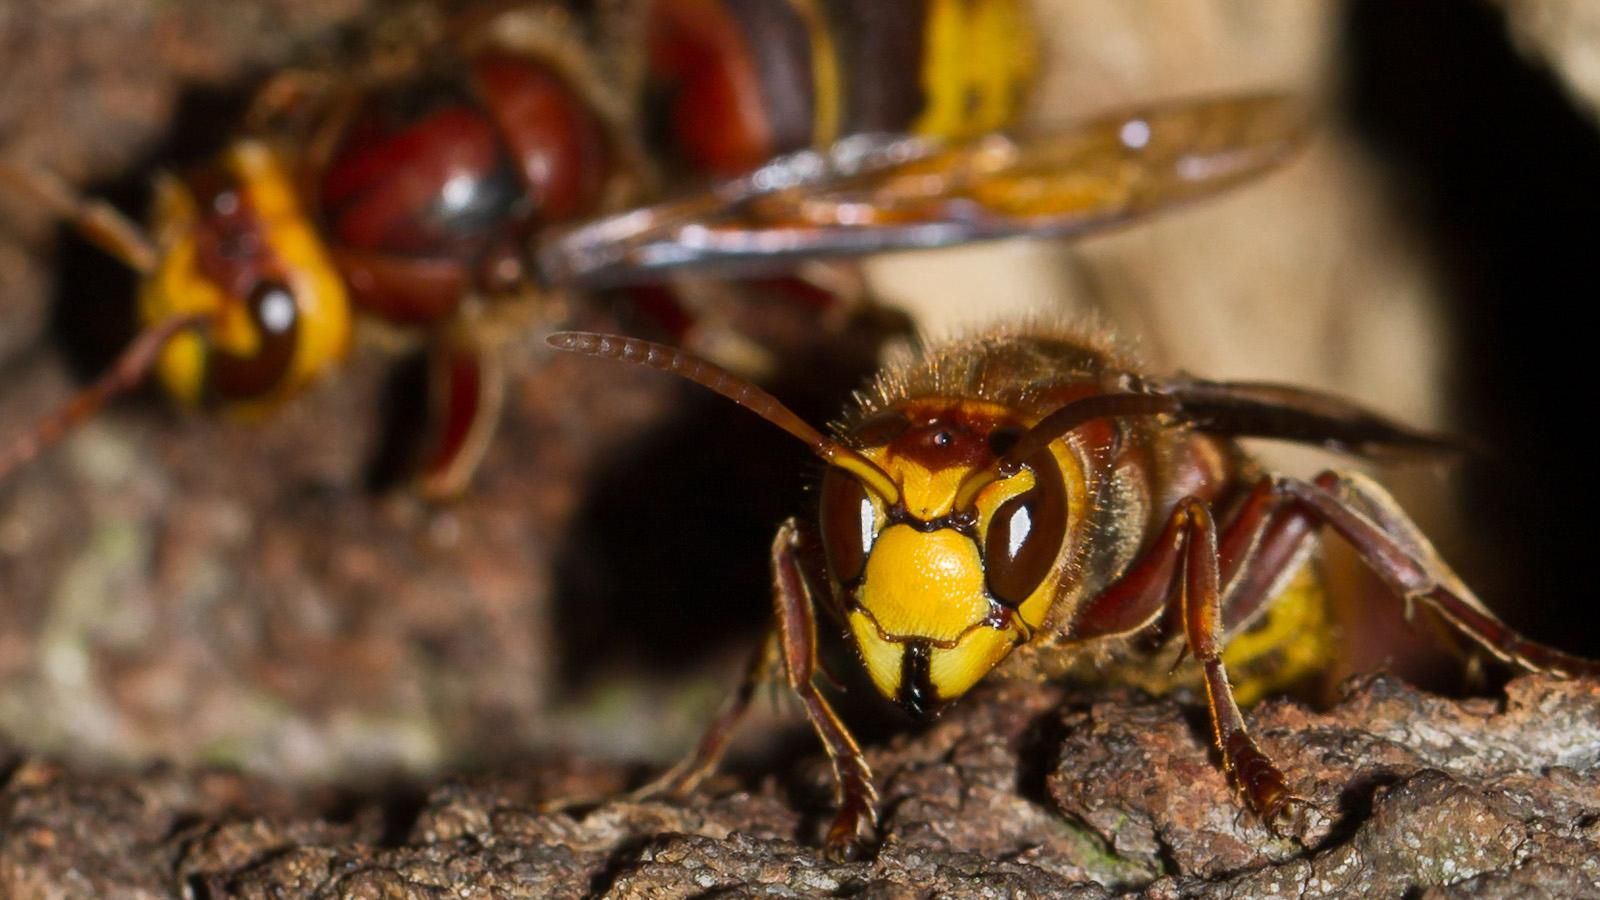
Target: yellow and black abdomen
(1290, 644)
(735, 82)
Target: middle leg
(1255, 774)
(1184, 572)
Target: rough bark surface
(1023, 791)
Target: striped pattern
(825, 69)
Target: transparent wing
(875, 193)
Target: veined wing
(878, 193)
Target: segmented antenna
(99, 222)
(708, 375)
(129, 369)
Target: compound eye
(273, 309)
(275, 313)
(848, 518)
(1025, 534)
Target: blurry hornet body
(436, 189)
(410, 196)
(1029, 502)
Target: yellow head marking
(175, 288)
(947, 591)
(881, 657)
(924, 585)
(954, 671)
(324, 336)
(928, 494)
(201, 273)
(866, 470)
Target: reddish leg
(797, 640)
(1263, 784)
(129, 369)
(1186, 554)
(1139, 598)
(707, 754)
(1273, 531)
(794, 637)
(1391, 544)
(465, 392)
(1265, 543)
(1262, 544)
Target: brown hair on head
(1056, 425)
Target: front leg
(794, 638)
(797, 641)
(684, 777)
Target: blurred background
(179, 588)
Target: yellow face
(239, 250)
(936, 596)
